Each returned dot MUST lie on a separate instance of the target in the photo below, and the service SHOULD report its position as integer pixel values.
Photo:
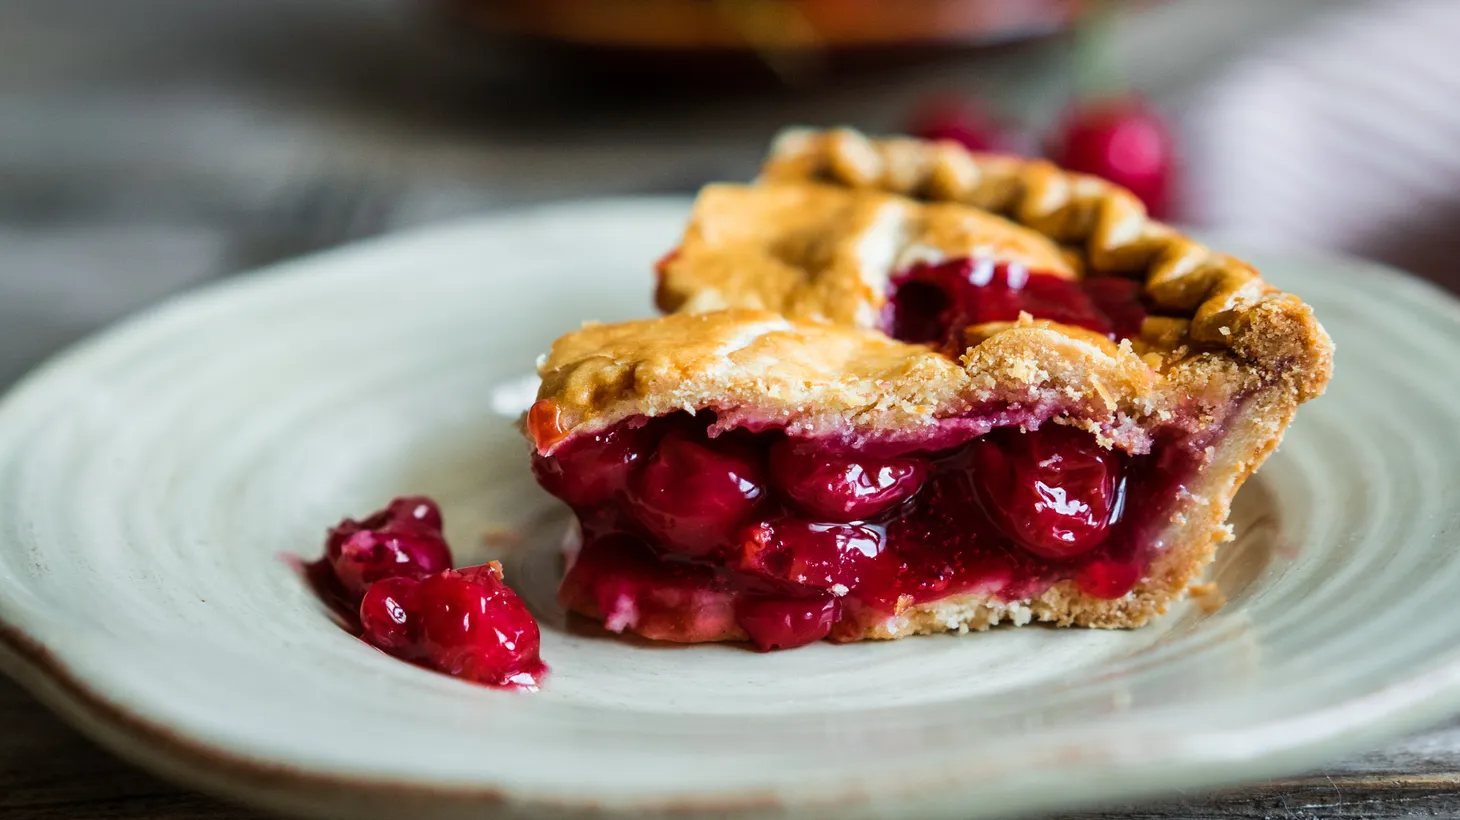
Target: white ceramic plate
(151, 479)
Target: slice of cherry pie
(876, 415)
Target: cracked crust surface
(828, 252)
(836, 213)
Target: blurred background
(151, 145)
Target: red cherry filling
(1106, 578)
(593, 469)
(621, 579)
(466, 623)
(824, 556)
(1119, 299)
(785, 623)
(402, 540)
(383, 618)
(700, 547)
(1056, 492)
(842, 488)
(933, 303)
(393, 571)
(693, 492)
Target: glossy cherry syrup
(783, 537)
(785, 622)
(465, 623)
(692, 493)
(933, 303)
(1055, 492)
(402, 540)
(843, 488)
(389, 576)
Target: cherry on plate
(465, 623)
(402, 540)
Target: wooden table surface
(256, 131)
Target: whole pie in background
(697, 25)
(717, 43)
(903, 388)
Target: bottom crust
(1196, 528)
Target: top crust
(1218, 301)
(832, 206)
(838, 383)
(827, 252)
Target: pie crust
(1050, 220)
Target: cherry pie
(910, 389)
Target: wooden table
(246, 133)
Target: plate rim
(196, 761)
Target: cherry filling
(692, 493)
(392, 570)
(465, 623)
(706, 538)
(933, 303)
(1051, 491)
(402, 540)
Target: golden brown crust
(756, 368)
(827, 252)
(1228, 303)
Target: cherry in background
(963, 120)
(1124, 140)
(1110, 131)
(1118, 137)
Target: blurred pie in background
(714, 35)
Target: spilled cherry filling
(933, 303)
(393, 572)
(465, 623)
(692, 537)
(404, 539)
